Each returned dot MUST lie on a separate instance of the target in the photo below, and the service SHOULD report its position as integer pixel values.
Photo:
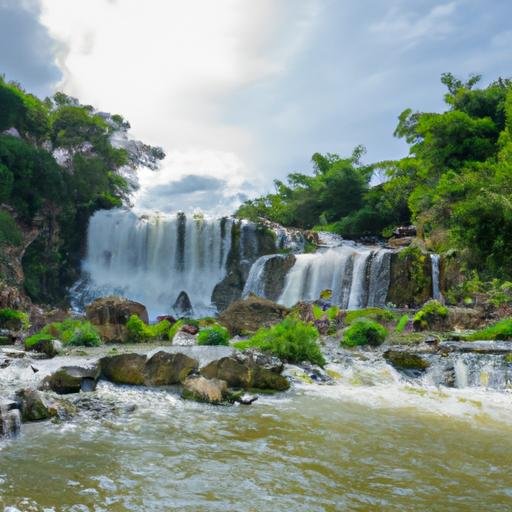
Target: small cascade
(357, 275)
(10, 420)
(436, 287)
(256, 280)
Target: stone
(164, 368)
(404, 360)
(213, 391)
(10, 421)
(248, 315)
(190, 329)
(72, 379)
(33, 405)
(182, 306)
(49, 347)
(124, 368)
(110, 315)
(184, 339)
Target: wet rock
(101, 408)
(480, 347)
(248, 315)
(247, 399)
(213, 391)
(49, 347)
(72, 379)
(7, 337)
(242, 371)
(33, 405)
(182, 306)
(110, 315)
(165, 368)
(10, 422)
(124, 368)
(404, 360)
(184, 339)
(190, 329)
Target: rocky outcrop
(248, 315)
(182, 306)
(276, 269)
(164, 368)
(213, 391)
(249, 370)
(72, 379)
(110, 314)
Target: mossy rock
(403, 360)
(124, 369)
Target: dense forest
(455, 185)
(57, 166)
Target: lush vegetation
(364, 332)
(377, 314)
(455, 185)
(71, 331)
(62, 195)
(501, 330)
(13, 319)
(140, 332)
(402, 323)
(291, 340)
(213, 335)
(432, 312)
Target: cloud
(26, 49)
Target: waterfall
(153, 258)
(436, 288)
(256, 280)
(357, 275)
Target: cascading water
(152, 259)
(436, 287)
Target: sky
(240, 92)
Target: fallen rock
(165, 368)
(124, 368)
(213, 391)
(72, 379)
(248, 315)
(110, 314)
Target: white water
(436, 287)
(357, 275)
(152, 259)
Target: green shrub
(431, 312)
(140, 332)
(291, 340)
(501, 330)
(9, 232)
(377, 314)
(13, 319)
(402, 323)
(213, 335)
(175, 327)
(364, 332)
(71, 332)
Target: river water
(359, 446)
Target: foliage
(140, 332)
(431, 312)
(364, 332)
(291, 340)
(213, 335)
(377, 314)
(402, 323)
(9, 232)
(10, 316)
(501, 330)
(70, 331)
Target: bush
(431, 312)
(364, 332)
(291, 340)
(213, 335)
(501, 330)
(9, 232)
(402, 323)
(13, 319)
(71, 332)
(140, 332)
(377, 314)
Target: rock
(247, 399)
(72, 379)
(184, 339)
(165, 368)
(244, 371)
(49, 347)
(213, 391)
(110, 315)
(404, 360)
(124, 368)
(33, 405)
(248, 315)
(10, 421)
(169, 318)
(228, 290)
(182, 306)
(190, 329)
(275, 271)
(7, 337)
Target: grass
(501, 330)
(140, 332)
(71, 332)
(402, 324)
(432, 311)
(364, 332)
(213, 335)
(376, 314)
(11, 317)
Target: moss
(430, 314)
(13, 319)
(72, 332)
(508, 359)
(140, 332)
(376, 314)
(364, 332)
(213, 335)
(501, 330)
(405, 360)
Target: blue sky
(242, 92)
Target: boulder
(124, 368)
(165, 368)
(110, 315)
(182, 306)
(247, 371)
(33, 405)
(213, 391)
(184, 339)
(405, 360)
(7, 337)
(72, 379)
(190, 329)
(49, 347)
(10, 422)
(248, 315)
